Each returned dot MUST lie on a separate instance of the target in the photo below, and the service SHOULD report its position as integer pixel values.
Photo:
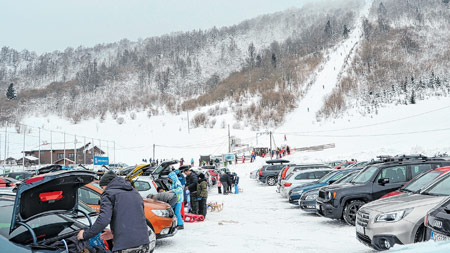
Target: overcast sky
(47, 25)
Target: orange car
(159, 215)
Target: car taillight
(33, 179)
(260, 172)
(283, 175)
(287, 184)
(47, 196)
(425, 222)
(156, 187)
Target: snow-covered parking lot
(260, 220)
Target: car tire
(420, 234)
(271, 181)
(152, 237)
(350, 210)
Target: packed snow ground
(260, 220)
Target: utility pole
(23, 156)
(51, 148)
(6, 126)
(84, 151)
(270, 134)
(189, 128)
(153, 152)
(229, 139)
(39, 147)
(64, 149)
(114, 144)
(75, 150)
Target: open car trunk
(160, 174)
(43, 210)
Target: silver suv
(400, 219)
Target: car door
(144, 188)
(417, 169)
(397, 176)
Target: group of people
(187, 190)
(227, 180)
(281, 152)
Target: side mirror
(383, 181)
(331, 181)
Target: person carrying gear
(168, 197)
(191, 185)
(121, 207)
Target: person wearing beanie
(202, 192)
(121, 207)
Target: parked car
(301, 178)
(333, 164)
(373, 182)
(290, 168)
(307, 201)
(160, 174)
(159, 215)
(419, 182)
(438, 219)
(334, 175)
(254, 174)
(21, 175)
(268, 174)
(345, 164)
(8, 182)
(54, 198)
(400, 219)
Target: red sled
(189, 217)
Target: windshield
(347, 178)
(441, 188)
(365, 175)
(327, 177)
(421, 181)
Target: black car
(307, 202)
(438, 220)
(269, 174)
(160, 174)
(41, 228)
(373, 182)
(22, 175)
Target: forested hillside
(404, 57)
(158, 74)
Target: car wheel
(271, 181)
(350, 211)
(420, 234)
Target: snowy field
(260, 220)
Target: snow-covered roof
(61, 146)
(31, 158)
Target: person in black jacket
(224, 179)
(191, 185)
(230, 182)
(122, 207)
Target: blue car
(296, 193)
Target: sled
(215, 207)
(193, 217)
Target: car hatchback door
(389, 179)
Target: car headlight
(161, 212)
(312, 196)
(393, 216)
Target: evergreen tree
(328, 28)
(413, 98)
(346, 31)
(274, 60)
(11, 93)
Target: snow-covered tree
(11, 92)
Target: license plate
(439, 237)
(360, 229)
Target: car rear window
(418, 183)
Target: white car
(300, 178)
(145, 186)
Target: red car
(8, 182)
(419, 181)
(345, 164)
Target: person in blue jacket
(177, 188)
(236, 182)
